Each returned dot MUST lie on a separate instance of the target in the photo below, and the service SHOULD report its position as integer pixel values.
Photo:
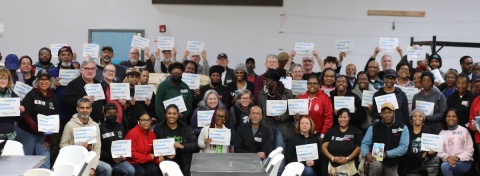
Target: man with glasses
(466, 62)
(106, 57)
(44, 60)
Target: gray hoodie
(368, 121)
(435, 121)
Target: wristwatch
(348, 159)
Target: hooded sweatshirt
(435, 121)
(67, 136)
(320, 110)
(401, 113)
(238, 117)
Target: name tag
(183, 90)
(39, 102)
(229, 80)
(465, 103)
(348, 136)
(257, 139)
(107, 135)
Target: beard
(66, 64)
(83, 116)
(44, 62)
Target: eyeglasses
(4, 79)
(44, 53)
(135, 53)
(39, 80)
(89, 69)
(245, 98)
(312, 84)
(109, 71)
(144, 120)
(219, 117)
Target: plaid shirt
(259, 85)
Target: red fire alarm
(163, 28)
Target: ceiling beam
(401, 13)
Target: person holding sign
(144, 77)
(417, 160)
(195, 57)
(211, 101)
(7, 127)
(240, 82)
(132, 107)
(432, 102)
(304, 134)
(219, 118)
(134, 60)
(342, 145)
(363, 85)
(402, 113)
(40, 100)
(342, 89)
(143, 159)
(297, 72)
(185, 141)
(390, 132)
(386, 62)
(254, 136)
(111, 131)
(164, 60)
(457, 154)
(106, 58)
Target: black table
(17, 165)
(235, 164)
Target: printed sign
(367, 98)
(90, 49)
(67, 75)
(143, 92)
(425, 106)
(49, 123)
(192, 80)
(304, 49)
(431, 142)
(84, 134)
(95, 90)
(415, 54)
(219, 136)
(9, 107)
(344, 102)
(276, 107)
(195, 46)
(120, 91)
(388, 44)
(299, 106)
(299, 87)
(139, 42)
(166, 43)
(163, 147)
(204, 118)
(386, 98)
(307, 152)
(177, 101)
(22, 89)
(345, 45)
(121, 148)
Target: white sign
(204, 118)
(120, 91)
(67, 75)
(415, 54)
(166, 43)
(121, 148)
(287, 82)
(192, 80)
(95, 90)
(143, 92)
(84, 134)
(9, 107)
(22, 89)
(425, 106)
(163, 147)
(409, 91)
(139, 42)
(90, 49)
(388, 44)
(276, 107)
(386, 98)
(304, 49)
(307, 152)
(345, 45)
(344, 102)
(299, 106)
(438, 76)
(55, 47)
(219, 136)
(299, 87)
(195, 46)
(49, 123)
(367, 98)
(431, 142)
(378, 150)
(177, 101)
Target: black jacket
(298, 139)
(36, 103)
(75, 90)
(7, 123)
(247, 142)
(232, 88)
(358, 116)
(222, 91)
(413, 161)
(108, 134)
(462, 105)
(401, 114)
(120, 73)
(229, 77)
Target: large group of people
(347, 139)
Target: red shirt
(474, 112)
(142, 145)
(320, 110)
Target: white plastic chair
(71, 154)
(293, 169)
(278, 150)
(272, 169)
(87, 163)
(13, 148)
(64, 169)
(38, 172)
(170, 168)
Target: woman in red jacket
(143, 160)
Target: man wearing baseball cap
(393, 134)
(106, 57)
(228, 75)
(402, 113)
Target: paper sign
(409, 91)
(438, 76)
(219, 136)
(67, 75)
(287, 82)
(195, 46)
(9, 107)
(163, 147)
(21, 89)
(304, 49)
(415, 54)
(55, 47)
(143, 92)
(84, 134)
(345, 45)
(377, 151)
(120, 91)
(299, 87)
(139, 42)
(204, 118)
(95, 90)
(276, 107)
(431, 142)
(307, 152)
(49, 123)
(297, 106)
(386, 98)
(192, 80)
(388, 44)
(367, 98)
(177, 101)
(166, 43)
(344, 102)
(90, 49)
(121, 148)
(425, 106)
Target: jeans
(377, 168)
(123, 168)
(308, 171)
(279, 142)
(146, 169)
(103, 169)
(462, 167)
(33, 145)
